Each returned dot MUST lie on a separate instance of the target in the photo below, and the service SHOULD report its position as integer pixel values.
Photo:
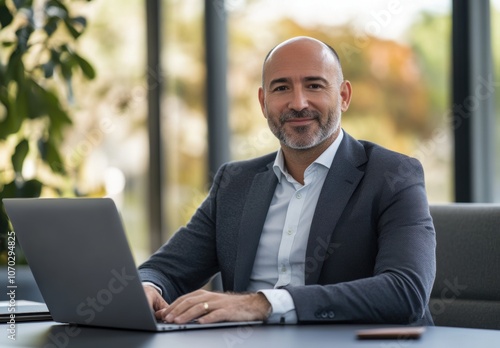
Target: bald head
(307, 49)
(303, 95)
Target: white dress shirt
(280, 258)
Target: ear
(262, 101)
(345, 94)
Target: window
(495, 37)
(395, 53)
(110, 123)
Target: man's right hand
(155, 300)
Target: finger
(160, 314)
(149, 295)
(189, 308)
(213, 316)
(187, 301)
(231, 308)
(237, 308)
(195, 312)
(160, 303)
(154, 298)
(225, 311)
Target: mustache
(293, 114)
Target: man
(327, 229)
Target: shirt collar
(325, 159)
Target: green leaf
(21, 103)
(4, 97)
(80, 20)
(22, 3)
(37, 106)
(19, 155)
(44, 102)
(87, 69)
(76, 25)
(66, 68)
(9, 190)
(55, 56)
(18, 110)
(5, 16)
(8, 43)
(15, 67)
(51, 26)
(48, 69)
(30, 188)
(51, 106)
(22, 189)
(10, 124)
(23, 34)
(72, 30)
(50, 154)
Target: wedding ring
(205, 305)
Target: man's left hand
(210, 307)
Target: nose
(299, 100)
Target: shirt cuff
(283, 308)
(154, 286)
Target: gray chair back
(466, 291)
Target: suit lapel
(340, 183)
(252, 221)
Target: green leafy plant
(38, 61)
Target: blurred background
(397, 54)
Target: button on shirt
(280, 258)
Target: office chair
(466, 291)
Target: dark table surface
(49, 334)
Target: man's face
(301, 95)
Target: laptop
(80, 258)
(23, 311)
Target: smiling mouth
(300, 121)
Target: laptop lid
(81, 261)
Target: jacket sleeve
(188, 260)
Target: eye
(280, 88)
(315, 86)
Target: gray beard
(325, 130)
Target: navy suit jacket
(371, 251)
